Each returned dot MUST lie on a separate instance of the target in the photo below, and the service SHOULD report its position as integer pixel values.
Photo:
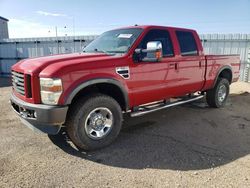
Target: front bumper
(42, 118)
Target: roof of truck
(156, 26)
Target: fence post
(248, 65)
(36, 49)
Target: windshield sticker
(125, 36)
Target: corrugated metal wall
(4, 33)
(12, 50)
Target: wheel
(217, 96)
(94, 122)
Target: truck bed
(214, 64)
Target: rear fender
(220, 71)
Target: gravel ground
(185, 146)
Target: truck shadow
(189, 137)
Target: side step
(155, 107)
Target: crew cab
(136, 70)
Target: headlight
(51, 90)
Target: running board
(160, 107)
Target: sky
(30, 18)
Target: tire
(94, 122)
(217, 96)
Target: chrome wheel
(222, 93)
(99, 123)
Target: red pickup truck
(134, 70)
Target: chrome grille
(18, 82)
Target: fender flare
(98, 81)
(220, 71)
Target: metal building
(4, 33)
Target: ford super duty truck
(134, 70)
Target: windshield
(115, 41)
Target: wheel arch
(224, 72)
(118, 92)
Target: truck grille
(18, 82)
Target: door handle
(173, 65)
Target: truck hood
(34, 66)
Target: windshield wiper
(101, 51)
(122, 52)
(95, 50)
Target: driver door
(152, 81)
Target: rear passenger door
(191, 64)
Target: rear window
(187, 43)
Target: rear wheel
(94, 122)
(217, 96)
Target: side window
(187, 43)
(159, 35)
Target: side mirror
(153, 53)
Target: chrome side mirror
(153, 53)
(154, 45)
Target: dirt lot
(185, 146)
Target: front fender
(87, 83)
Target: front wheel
(217, 96)
(94, 122)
